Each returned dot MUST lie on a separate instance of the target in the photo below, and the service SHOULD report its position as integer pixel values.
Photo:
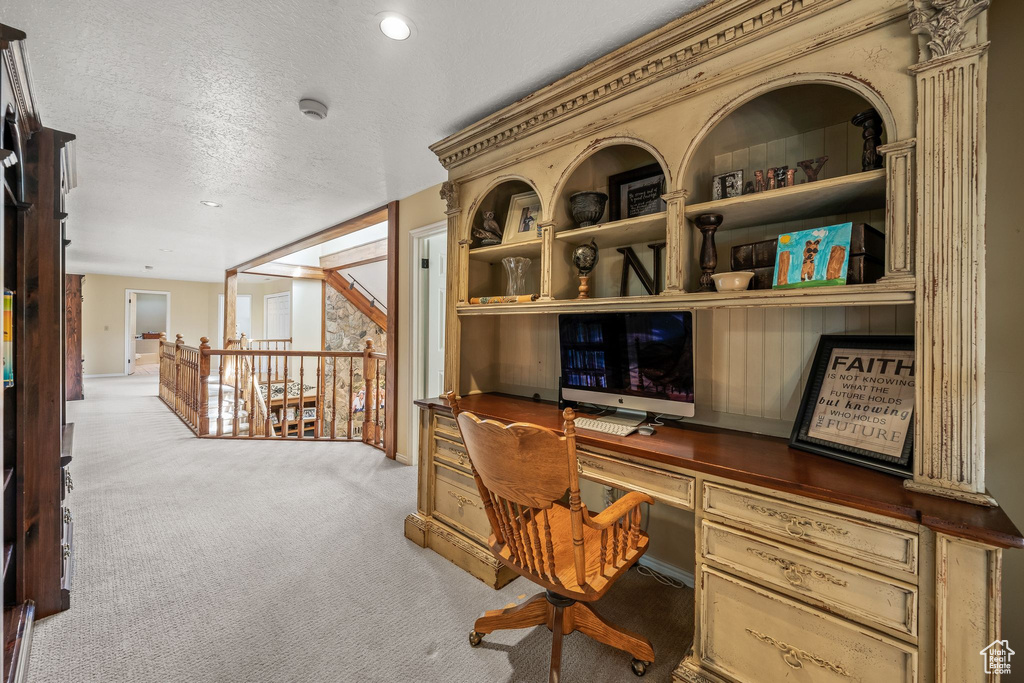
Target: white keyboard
(592, 425)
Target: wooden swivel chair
(523, 471)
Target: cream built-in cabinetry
(783, 583)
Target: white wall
(307, 310)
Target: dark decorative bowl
(587, 207)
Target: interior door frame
(128, 334)
(266, 318)
(417, 332)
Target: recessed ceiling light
(209, 203)
(167, 251)
(395, 26)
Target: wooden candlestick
(708, 223)
(871, 122)
(584, 287)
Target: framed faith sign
(858, 404)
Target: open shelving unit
(496, 252)
(649, 228)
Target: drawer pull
(795, 657)
(794, 572)
(461, 499)
(796, 525)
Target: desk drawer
(457, 502)
(752, 634)
(875, 544)
(445, 424)
(451, 452)
(671, 488)
(869, 598)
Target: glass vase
(515, 274)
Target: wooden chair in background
(522, 472)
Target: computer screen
(642, 361)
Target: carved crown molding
(944, 22)
(450, 194)
(657, 55)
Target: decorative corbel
(943, 23)
(450, 194)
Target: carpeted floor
(227, 561)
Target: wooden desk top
(769, 462)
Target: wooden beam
(356, 256)
(287, 270)
(230, 303)
(345, 227)
(391, 364)
(362, 304)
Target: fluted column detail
(900, 210)
(547, 254)
(678, 243)
(456, 282)
(950, 264)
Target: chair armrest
(617, 510)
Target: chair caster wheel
(640, 667)
(476, 638)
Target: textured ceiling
(180, 101)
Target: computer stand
(623, 416)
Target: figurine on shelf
(812, 167)
(871, 122)
(584, 257)
(759, 183)
(490, 232)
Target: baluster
(514, 528)
(505, 532)
(317, 427)
(366, 390)
(302, 396)
(550, 549)
(517, 531)
(615, 544)
(334, 396)
(178, 343)
(284, 401)
(348, 408)
(237, 399)
(266, 403)
(253, 383)
(634, 528)
(204, 386)
(220, 397)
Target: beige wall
(416, 211)
(103, 332)
(307, 314)
(1004, 400)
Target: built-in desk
(809, 563)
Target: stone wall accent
(347, 329)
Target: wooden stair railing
(264, 393)
(356, 298)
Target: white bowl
(732, 282)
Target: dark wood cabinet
(38, 325)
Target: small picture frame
(636, 193)
(523, 219)
(858, 405)
(727, 185)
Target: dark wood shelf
(769, 462)
(18, 622)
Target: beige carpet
(200, 561)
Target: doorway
(147, 314)
(429, 253)
(243, 315)
(277, 316)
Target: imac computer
(633, 362)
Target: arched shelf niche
(780, 128)
(627, 168)
(486, 271)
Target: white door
(437, 254)
(133, 303)
(277, 324)
(277, 316)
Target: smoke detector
(313, 109)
